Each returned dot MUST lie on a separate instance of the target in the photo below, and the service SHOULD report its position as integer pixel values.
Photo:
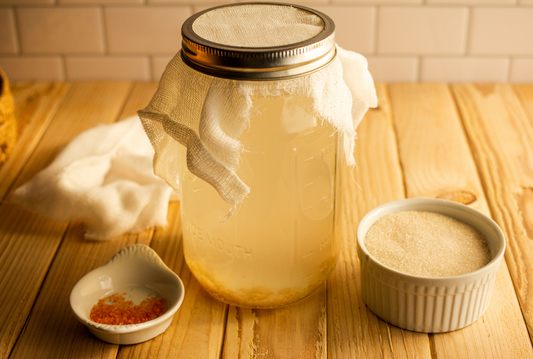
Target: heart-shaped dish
(136, 272)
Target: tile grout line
(63, 62)
(151, 67)
(509, 69)
(466, 48)
(378, 8)
(376, 28)
(104, 31)
(419, 68)
(17, 31)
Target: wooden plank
(89, 104)
(273, 333)
(501, 135)
(434, 153)
(138, 99)
(52, 306)
(525, 95)
(437, 162)
(28, 243)
(35, 106)
(52, 331)
(187, 336)
(353, 330)
(294, 331)
(198, 326)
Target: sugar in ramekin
(429, 304)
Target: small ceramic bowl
(429, 304)
(135, 272)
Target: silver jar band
(259, 63)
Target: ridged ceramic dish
(425, 304)
(136, 270)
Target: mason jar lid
(258, 41)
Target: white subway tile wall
(115, 67)
(8, 33)
(354, 26)
(159, 64)
(501, 31)
(27, 2)
(144, 30)
(61, 30)
(422, 30)
(393, 69)
(34, 68)
(403, 40)
(521, 70)
(473, 69)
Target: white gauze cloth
(104, 178)
(207, 115)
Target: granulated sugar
(427, 244)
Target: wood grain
(66, 334)
(32, 241)
(468, 143)
(353, 330)
(293, 331)
(35, 106)
(52, 330)
(525, 95)
(198, 326)
(140, 96)
(501, 134)
(436, 159)
(433, 149)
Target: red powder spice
(116, 310)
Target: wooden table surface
(467, 142)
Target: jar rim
(258, 63)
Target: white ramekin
(429, 304)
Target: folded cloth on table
(104, 178)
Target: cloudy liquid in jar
(280, 246)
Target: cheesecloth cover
(207, 114)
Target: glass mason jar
(281, 244)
